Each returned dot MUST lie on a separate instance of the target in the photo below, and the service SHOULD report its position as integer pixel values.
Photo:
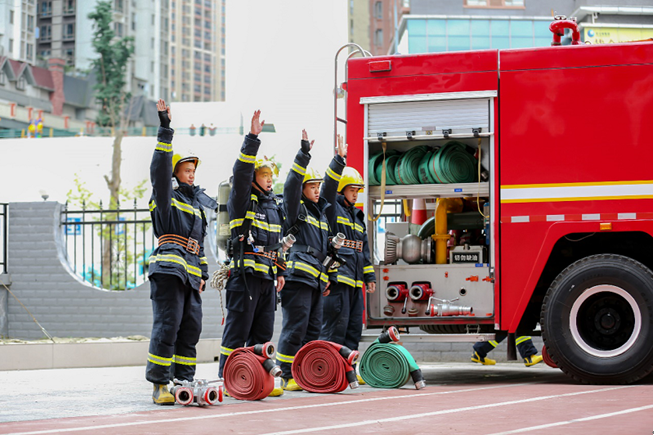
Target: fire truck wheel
(597, 320)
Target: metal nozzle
(287, 242)
(338, 240)
(272, 368)
(420, 385)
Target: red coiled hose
(244, 375)
(325, 367)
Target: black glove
(305, 146)
(163, 119)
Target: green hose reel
(388, 365)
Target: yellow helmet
(265, 163)
(178, 158)
(350, 177)
(312, 176)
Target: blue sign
(73, 230)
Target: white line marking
(576, 420)
(431, 414)
(290, 408)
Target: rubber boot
(278, 390)
(532, 360)
(482, 360)
(290, 385)
(161, 395)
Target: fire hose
(387, 364)
(198, 391)
(250, 373)
(325, 367)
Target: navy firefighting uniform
(251, 305)
(343, 307)
(176, 267)
(306, 277)
(524, 344)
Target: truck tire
(597, 320)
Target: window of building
(11, 17)
(69, 30)
(29, 51)
(119, 4)
(494, 3)
(378, 10)
(69, 6)
(11, 45)
(153, 19)
(118, 28)
(379, 37)
(3, 78)
(46, 33)
(45, 54)
(69, 54)
(207, 57)
(20, 84)
(46, 9)
(30, 23)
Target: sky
(279, 59)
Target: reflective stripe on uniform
(316, 223)
(333, 175)
(184, 360)
(226, 351)
(187, 208)
(163, 146)
(368, 269)
(358, 227)
(203, 260)
(522, 339)
(299, 169)
(246, 159)
(493, 343)
(159, 360)
(271, 228)
(346, 280)
(178, 260)
(285, 358)
(254, 265)
(343, 221)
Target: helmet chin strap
(264, 191)
(348, 202)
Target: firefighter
(525, 346)
(257, 270)
(306, 203)
(343, 308)
(178, 268)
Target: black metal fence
(4, 226)
(108, 248)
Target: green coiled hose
(452, 164)
(408, 166)
(386, 365)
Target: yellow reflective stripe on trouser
(178, 260)
(226, 351)
(285, 358)
(333, 175)
(299, 169)
(522, 339)
(163, 146)
(368, 269)
(184, 360)
(246, 159)
(159, 360)
(493, 343)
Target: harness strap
(309, 250)
(357, 245)
(190, 244)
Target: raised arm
(333, 173)
(161, 168)
(293, 184)
(243, 170)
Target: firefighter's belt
(190, 244)
(357, 245)
(309, 250)
(268, 254)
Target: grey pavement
(60, 393)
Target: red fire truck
(537, 163)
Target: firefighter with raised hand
(343, 308)
(257, 269)
(306, 201)
(178, 268)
